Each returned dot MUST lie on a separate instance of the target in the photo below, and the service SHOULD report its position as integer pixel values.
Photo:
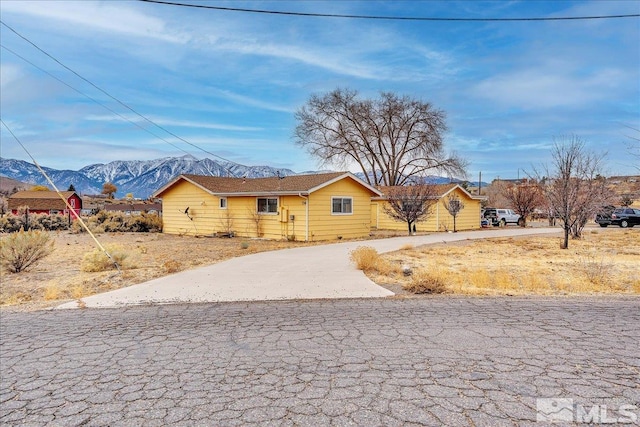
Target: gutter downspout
(306, 222)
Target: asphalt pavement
(313, 272)
(434, 361)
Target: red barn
(48, 202)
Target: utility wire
(92, 99)
(66, 202)
(118, 101)
(388, 18)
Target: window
(267, 205)
(223, 203)
(341, 205)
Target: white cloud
(9, 74)
(539, 88)
(173, 122)
(115, 17)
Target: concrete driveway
(314, 272)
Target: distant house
(439, 219)
(134, 208)
(47, 202)
(300, 207)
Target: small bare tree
(256, 218)
(410, 203)
(524, 198)
(575, 190)
(226, 221)
(453, 205)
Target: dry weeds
(61, 275)
(604, 261)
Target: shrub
(97, 260)
(365, 258)
(104, 221)
(596, 268)
(244, 245)
(20, 250)
(144, 223)
(171, 266)
(426, 282)
(11, 223)
(52, 222)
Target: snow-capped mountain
(141, 178)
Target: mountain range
(140, 178)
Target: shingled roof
(39, 200)
(293, 184)
(441, 190)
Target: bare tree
(256, 218)
(575, 190)
(226, 222)
(453, 205)
(524, 198)
(391, 139)
(626, 200)
(495, 194)
(410, 203)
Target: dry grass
(604, 261)
(145, 256)
(368, 260)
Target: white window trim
(269, 213)
(341, 213)
(226, 203)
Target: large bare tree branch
(390, 138)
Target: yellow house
(439, 218)
(301, 207)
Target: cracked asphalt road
(428, 361)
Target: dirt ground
(608, 258)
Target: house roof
(441, 190)
(39, 200)
(294, 184)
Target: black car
(625, 217)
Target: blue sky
(230, 82)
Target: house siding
(174, 202)
(439, 218)
(240, 216)
(323, 225)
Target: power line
(389, 18)
(118, 101)
(66, 202)
(90, 98)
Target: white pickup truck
(501, 217)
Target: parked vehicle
(603, 218)
(501, 217)
(625, 217)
